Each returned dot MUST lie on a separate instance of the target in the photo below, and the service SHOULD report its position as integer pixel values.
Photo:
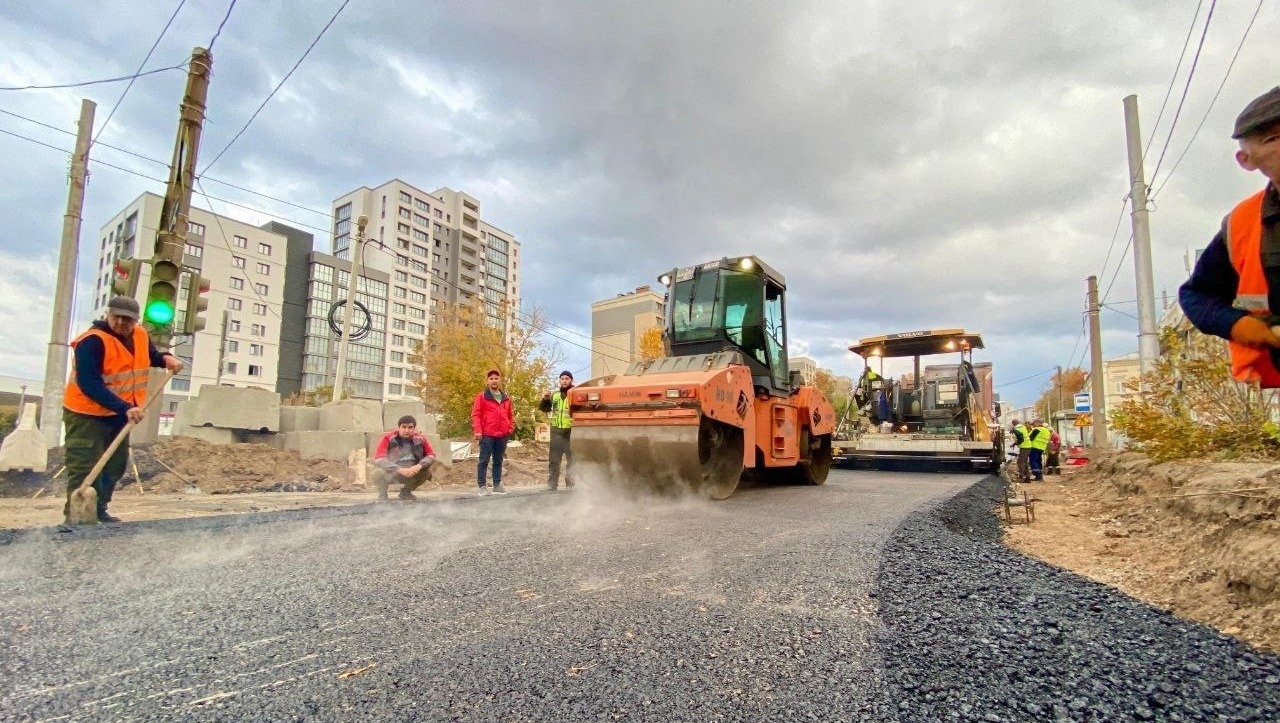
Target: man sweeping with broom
(106, 392)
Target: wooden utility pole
(1148, 341)
(357, 249)
(1098, 406)
(55, 364)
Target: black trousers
(560, 449)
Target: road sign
(1084, 420)
(1082, 402)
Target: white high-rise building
(425, 249)
(246, 266)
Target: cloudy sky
(906, 166)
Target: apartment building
(427, 250)
(617, 325)
(246, 265)
(807, 367)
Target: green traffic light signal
(158, 311)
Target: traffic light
(124, 278)
(162, 296)
(197, 303)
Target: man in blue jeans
(492, 422)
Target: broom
(83, 508)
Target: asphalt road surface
(526, 607)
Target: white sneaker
(499, 490)
(484, 492)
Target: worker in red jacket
(492, 422)
(405, 456)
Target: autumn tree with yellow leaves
(651, 346)
(462, 344)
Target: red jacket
(492, 418)
(390, 448)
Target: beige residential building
(246, 267)
(617, 325)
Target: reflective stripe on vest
(124, 374)
(560, 411)
(1026, 437)
(1244, 245)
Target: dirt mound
(1198, 538)
(182, 464)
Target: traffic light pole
(55, 365)
(357, 254)
(171, 238)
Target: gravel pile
(977, 632)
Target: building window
(404, 212)
(237, 283)
(195, 228)
(397, 324)
(397, 356)
(237, 261)
(258, 330)
(255, 370)
(402, 228)
(234, 304)
(397, 340)
(193, 250)
(233, 325)
(233, 346)
(405, 198)
(264, 269)
(417, 297)
(395, 373)
(394, 389)
(399, 292)
(417, 329)
(180, 385)
(260, 309)
(240, 241)
(231, 367)
(264, 249)
(402, 276)
(261, 289)
(397, 308)
(255, 350)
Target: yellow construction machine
(722, 400)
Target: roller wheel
(720, 455)
(819, 466)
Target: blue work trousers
(494, 448)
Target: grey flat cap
(123, 306)
(1260, 113)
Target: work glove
(1253, 331)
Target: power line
(1109, 307)
(1119, 265)
(1033, 376)
(1186, 43)
(1216, 93)
(180, 66)
(1124, 203)
(221, 25)
(141, 65)
(1186, 88)
(159, 162)
(277, 88)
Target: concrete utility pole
(1098, 408)
(55, 364)
(357, 253)
(1148, 343)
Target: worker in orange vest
(1234, 290)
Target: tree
(1061, 393)
(461, 345)
(651, 346)
(826, 383)
(1190, 407)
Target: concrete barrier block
(269, 439)
(299, 419)
(212, 435)
(236, 408)
(351, 415)
(393, 410)
(182, 414)
(24, 447)
(324, 444)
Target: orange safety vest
(1244, 244)
(125, 374)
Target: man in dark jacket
(107, 389)
(404, 456)
(556, 404)
(492, 422)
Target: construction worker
(1039, 440)
(492, 422)
(556, 404)
(403, 456)
(1052, 463)
(1234, 290)
(1022, 440)
(106, 391)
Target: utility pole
(1148, 343)
(1098, 409)
(357, 254)
(1059, 390)
(55, 364)
(222, 346)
